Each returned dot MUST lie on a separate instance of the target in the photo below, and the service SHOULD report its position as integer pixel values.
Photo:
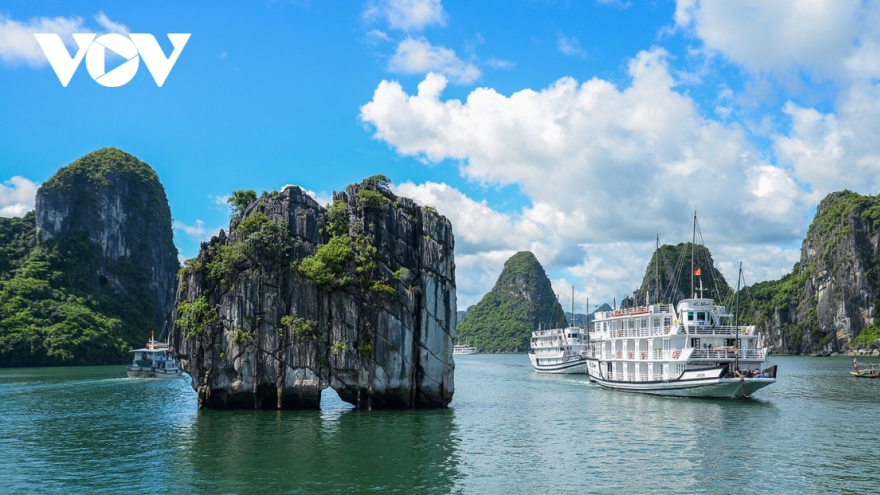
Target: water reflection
(332, 451)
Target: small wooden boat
(865, 370)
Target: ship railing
(753, 354)
(727, 354)
(642, 332)
(641, 310)
(655, 355)
(713, 330)
(713, 354)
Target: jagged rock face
(836, 281)
(118, 201)
(380, 333)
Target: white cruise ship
(460, 350)
(559, 350)
(692, 350)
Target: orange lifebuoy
(618, 354)
(644, 355)
(629, 356)
(674, 354)
(667, 328)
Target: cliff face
(830, 296)
(118, 203)
(521, 301)
(359, 297)
(91, 272)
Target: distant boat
(153, 361)
(865, 370)
(460, 350)
(559, 350)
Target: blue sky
(577, 130)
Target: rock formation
(358, 296)
(521, 301)
(829, 299)
(91, 272)
(119, 203)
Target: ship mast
(657, 271)
(736, 318)
(693, 246)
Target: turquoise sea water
(508, 430)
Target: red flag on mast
(698, 272)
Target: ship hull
(700, 383)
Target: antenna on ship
(572, 305)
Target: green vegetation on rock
(63, 300)
(675, 278)
(521, 300)
(838, 255)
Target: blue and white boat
(153, 361)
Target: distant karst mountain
(521, 300)
(671, 278)
(91, 272)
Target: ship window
(690, 316)
(695, 343)
(701, 316)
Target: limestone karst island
(358, 296)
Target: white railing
(712, 330)
(712, 354)
(641, 332)
(654, 355)
(727, 354)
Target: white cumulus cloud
(17, 196)
(782, 35)
(606, 168)
(418, 56)
(406, 14)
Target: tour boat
(693, 350)
(459, 350)
(559, 350)
(153, 361)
